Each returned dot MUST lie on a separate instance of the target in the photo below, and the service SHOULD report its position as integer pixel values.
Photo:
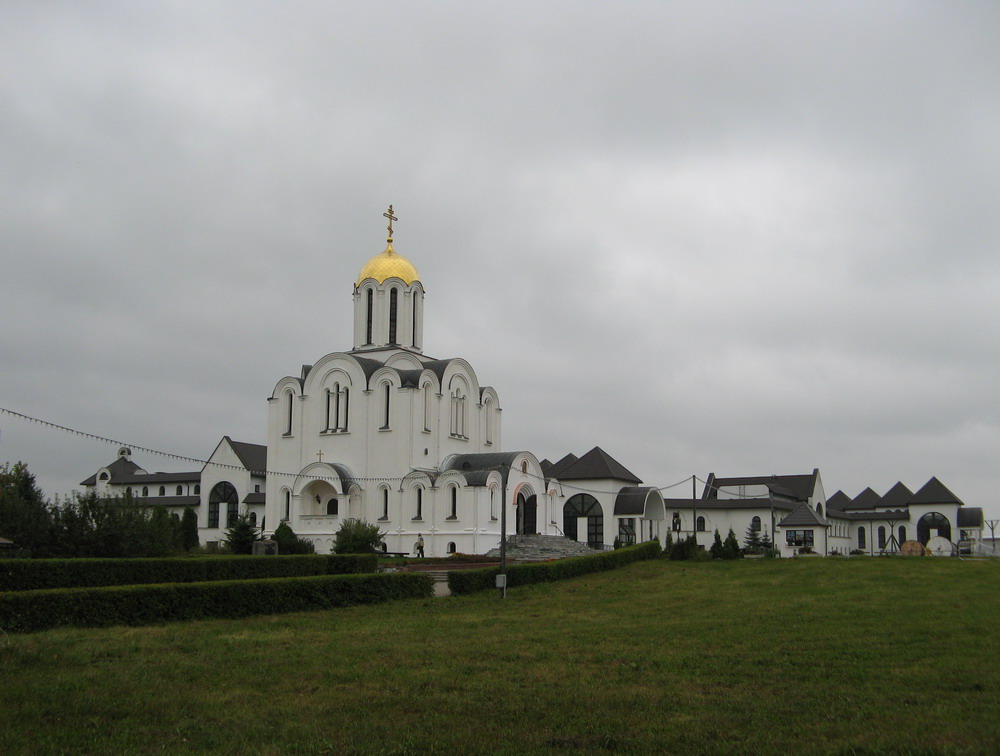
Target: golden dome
(386, 265)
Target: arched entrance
(932, 524)
(527, 514)
(584, 505)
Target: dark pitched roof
(935, 492)
(254, 498)
(253, 456)
(867, 499)
(896, 497)
(784, 505)
(803, 514)
(562, 464)
(120, 469)
(799, 487)
(169, 501)
(597, 464)
(838, 501)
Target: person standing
(419, 545)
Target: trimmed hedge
(27, 611)
(39, 574)
(462, 582)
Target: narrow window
(902, 534)
(163, 490)
(145, 490)
(385, 423)
(197, 489)
(332, 507)
(288, 504)
(755, 524)
(329, 401)
(346, 408)
(368, 327)
(493, 504)
(253, 519)
(861, 538)
(288, 428)
(427, 407)
(213, 514)
(488, 407)
(451, 547)
(180, 491)
(385, 504)
(232, 513)
(393, 295)
(454, 504)
(701, 524)
(881, 536)
(420, 505)
(414, 324)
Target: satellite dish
(940, 546)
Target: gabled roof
(867, 499)
(477, 467)
(896, 497)
(838, 501)
(562, 464)
(935, 492)
(253, 456)
(803, 514)
(120, 469)
(597, 464)
(799, 487)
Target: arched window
(223, 492)
(385, 504)
(451, 547)
(902, 534)
(819, 508)
(253, 519)
(881, 536)
(700, 525)
(458, 413)
(493, 503)
(163, 490)
(418, 512)
(145, 490)
(454, 503)
(180, 491)
(427, 407)
(332, 397)
(288, 504)
(393, 297)
(932, 524)
(197, 489)
(332, 507)
(386, 388)
(861, 537)
(488, 420)
(416, 301)
(755, 524)
(577, 507)
(524, 467)
(288, 413)
(344, 410)
(104, 476)
(128, 491)
(368, 320)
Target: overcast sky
(730, 237)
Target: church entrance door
(527, 515)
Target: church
(388, 434)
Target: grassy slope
(766, 656)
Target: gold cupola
(388, 264)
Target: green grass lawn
(779, 656)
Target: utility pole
(694, 509)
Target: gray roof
(867, 499)
(553, 470)
(596, 464)
(253, 456)
(169, 501)
(839, 501)
(896, 497)
(477, 467)
(803, 514)
(631, 500)
(254, 498)
(783, 505)
(798, 487)
(118, 469)
(935, 492)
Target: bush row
(463, 582)
(27, 611)
(37, 574)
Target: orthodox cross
(391, 218)
(320, 455)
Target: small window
(180, 491)
(419, 511)
(288, 504)
(253, 519)
(755, 524)
(701, 524)
(163, 490)
(454, 504)
(332, 507)
(861, 538)
(524, 466)
(256, 488)
(145, 490)
(626, 530)
(385, 504)
(881, 536)
(197, 489)
(902, 533)
(104, 476)
(451, 547)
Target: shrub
(463, 582)
(148, 604)
(357, 536)
(731, 547)
(242, 534)
(36, 574)
(289, 543)
(717, 550)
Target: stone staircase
(537, 548)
